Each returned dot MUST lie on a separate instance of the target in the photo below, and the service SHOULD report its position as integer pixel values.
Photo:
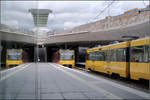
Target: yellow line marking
(9, 75)
(100, 90)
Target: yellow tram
(67, 58)
(126, 59)
(117, 59)
(140, 59)
(95, 59)
(13, 57)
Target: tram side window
(146, 54)
(139, 54)
(99, 56)
(91, 56)
(107, 55)
(113, 55)
(121, 54)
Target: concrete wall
(128, 17)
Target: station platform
(53, 81)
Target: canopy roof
(40, 16)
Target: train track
(139, 85)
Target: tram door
(92, 60)
(108, 61)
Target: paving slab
(53, 81)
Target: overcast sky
(66, 14)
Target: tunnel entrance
(51, 53)
(27, 51)
(42, 54)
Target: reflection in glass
(139, 54)
(14, 55)
(66, 56)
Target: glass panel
(66, 55)
(91, 56)
(107, 55)
(145, 58)
(137, 54)
(113, 55)
(17, 49)
(29, 26)
(14, 54)
(121, 54)
(99, 56)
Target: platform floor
(53, 81)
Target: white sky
(66, 14)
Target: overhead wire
(143, 3)
(101, 11)
(104, 9)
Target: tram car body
(67, 58)
(140, 59)
(126, 59)
(95, 60)
(117, 59)
(14, 57)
